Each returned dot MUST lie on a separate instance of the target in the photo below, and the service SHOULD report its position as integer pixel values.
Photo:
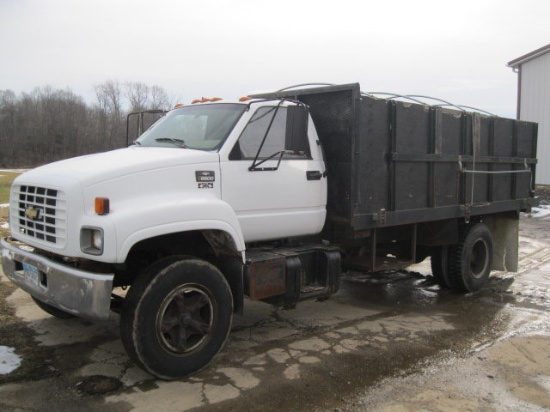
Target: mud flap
(505, 231)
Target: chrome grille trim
(39, 213)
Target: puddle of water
(9, 361)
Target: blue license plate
(32, 276)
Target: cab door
(274, 175)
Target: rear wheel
(440, 266)
(471, 259)
(176, 317)
(52, 310)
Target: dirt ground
(385, 342)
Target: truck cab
(270, 168)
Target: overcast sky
(454, 50)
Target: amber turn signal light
(101, 205)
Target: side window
(280, 138)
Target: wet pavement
(389, 342)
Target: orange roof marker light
(245, 99)
(206, 100)
(178, 105)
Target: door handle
(314, 175)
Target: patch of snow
(541, 211)
(5, 226)
(9, 361)
(4, 205)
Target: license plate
(32, 275)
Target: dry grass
(6, 179)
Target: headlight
(91, 240)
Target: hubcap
(185, 319)
(479, 258)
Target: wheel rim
(185, 319)
(479, 259)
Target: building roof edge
(529, 56)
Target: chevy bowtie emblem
(32, 213)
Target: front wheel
(470, 260)
(176, 317)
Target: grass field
(6, 178)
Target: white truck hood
(91, 169)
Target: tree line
(52, 124)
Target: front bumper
(80, 293)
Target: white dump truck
(267, 198)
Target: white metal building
(534, 102)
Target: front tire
(176, 317)
(470, 260)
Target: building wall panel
(535, 106)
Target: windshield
(203, 127)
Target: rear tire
(470, 260)
(440, 266)
(52, 310)
(176, 317)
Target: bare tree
(137, 95)
(159, 98)
(50, 124)
(109, 98)
(8, 123)
(142, 97)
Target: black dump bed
(393, 162)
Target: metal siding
(535, 106)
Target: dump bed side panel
(374, 183)
(394, 163)
(334, 117)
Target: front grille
(39, 213)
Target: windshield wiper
(136, 143)
(177, 142)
